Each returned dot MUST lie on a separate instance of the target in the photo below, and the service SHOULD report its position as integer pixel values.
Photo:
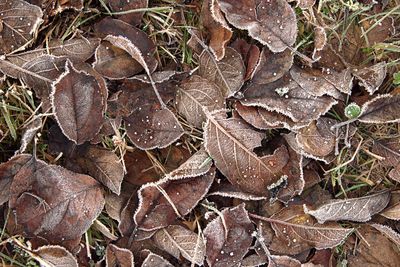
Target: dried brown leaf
(79, 102)
(198, 164)
(179, 241)
(230, 142)
(283, 261)
(76, 49)
(273, 23)
(288, 98)
(227, 74)
(54, 203)
(7, 172)
(30, 131)
(381, 109)
(272, 66)
(372, 77)
(228, 246)
(118, 257)
(103, 165)
(162, 202)
(250, 54)
(351, 209)
(133, 18)
(154, 260)
(54, 256)
(19, 23)
(389, 232)
(194, 95)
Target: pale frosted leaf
(198, 164)
(118, 257)
(381, 109)
(54, 256)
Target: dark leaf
(227, 74)
(371, 78)
(229, 237)
(54, 203)
(250, 55)
(118, 257)
(288, 98)
(352, 209)
(194, 95)
(7, 172)
(230, 142)
(133, 18)
(388, 232)
(273, 23)
(19, 23)
(388, 149)
(79, 102)
(162, 202)
(54, 256)
(272, 66)
(381, 109)
(177, 241)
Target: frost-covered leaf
(54, 256)
(295, 232)
(30, 131)
(177, 241)
(115, 63)
(272, 23)
(198, 164)
(103, 165)
(230, 142)
(319, 38)
(8, 170)
(194, 95)
(381, 109)
(351, 209)
(228, 237)
(264, 119)
(118, 257)
(79, 102)
(227, 74)
(154, 260)
(216, 28)
(133, 18)
(76, 49)
(372, 77)
(288, 98)
(272, 66)
(389, 150)
(323, 82)
(160, 203)
(19, 23)
(389, 232)
(283, 261)
(54, 203)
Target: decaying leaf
(162, 202)
(389, 232)
(54, 256)
(272, 23)
(371, 78)
(272, 66)
(227, 74)
(228, 237)
(118, 257)
(104, 165)
(79, 102)
(319, 37)
(7, 172)
(230, 142)
(216, 27)
(295, 232)
(133, 18)
(19, 22)
(381, 109)
(352, 209)
(194, 95)
(388, 149)
(288, 98)
(177, 241)
(54, 203)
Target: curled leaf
(371, 78)
(381, 109)
(54, 256)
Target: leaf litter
(208, 133)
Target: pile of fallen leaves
(226, 164)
